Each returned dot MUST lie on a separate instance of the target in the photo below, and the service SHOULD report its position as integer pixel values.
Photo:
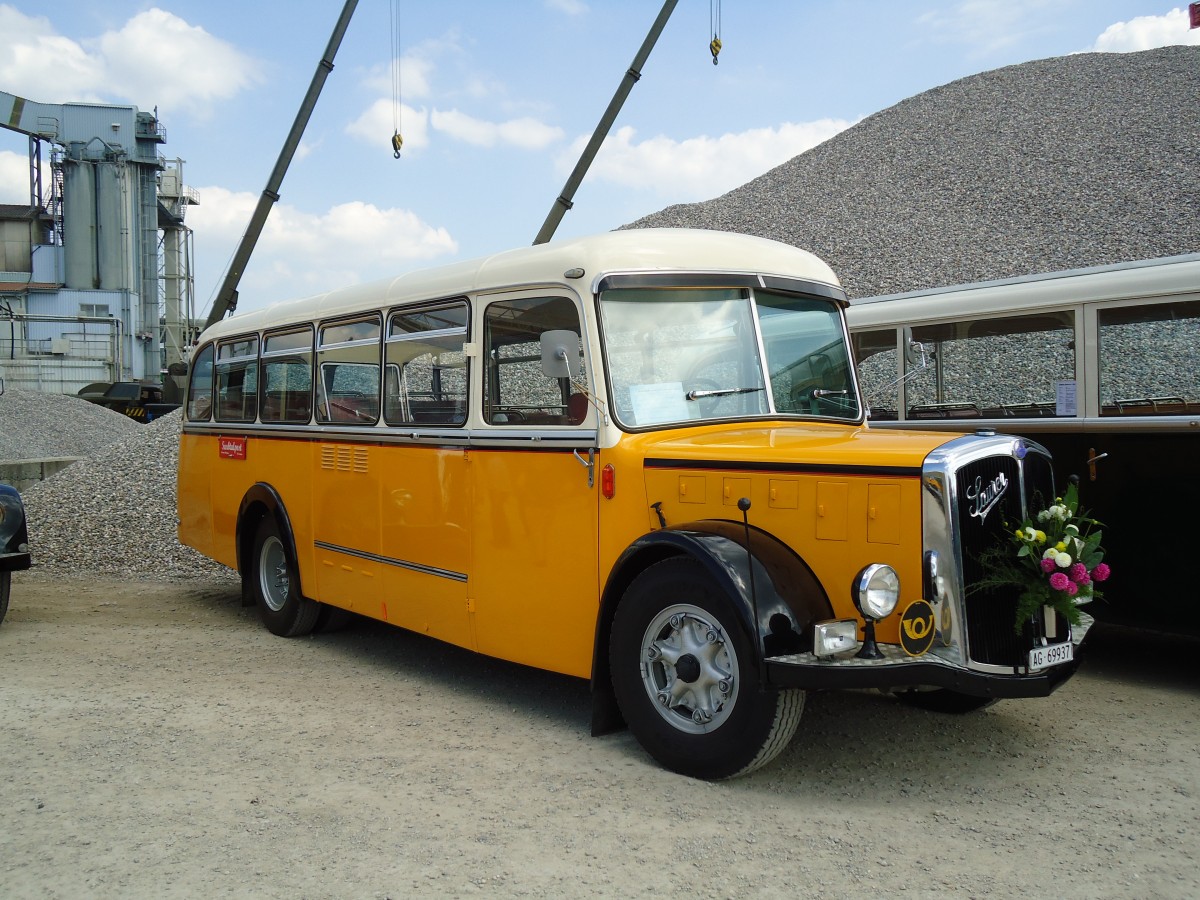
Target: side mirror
(560, 354)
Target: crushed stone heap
(114, 514)
(1056, 164)
(44, 426)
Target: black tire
(275, 585)
(702, 714)
(5, 590)
(944, 700)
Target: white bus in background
(1101, 366)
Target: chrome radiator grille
(992, 494)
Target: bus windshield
(688, 355)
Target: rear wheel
(686, 677)
(276, 586)
(5, 589)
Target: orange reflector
(608, 481)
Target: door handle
(1092, 460)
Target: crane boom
(565, 200)
(226, 299)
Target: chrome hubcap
(273, 574)
(689, 670)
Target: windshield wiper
(720, 392)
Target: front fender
(776, 597)
(14, 534)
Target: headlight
(877, 591)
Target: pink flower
(1072, 589)
(1059, 581)
(1048, 566)
(1101, 572)
(1079, 574)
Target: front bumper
(898, 670)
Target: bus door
(533, 589)
(348, 465)
(426, 487)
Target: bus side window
(425, 376)
(878, 373)
(1145, 354)
(200, 387)
(237, 380)
(286, 376)
(516, 390)
(349, 372)
(1024, 357)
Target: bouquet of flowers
(1057, 562)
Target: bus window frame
(265, 356)
(228, 363)
(466, 330)
(567, 387)
(321, 401)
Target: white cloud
(570, 7)
(526, 132)
(702, 167)
(1148, 32)
(415, 73)
(14, 177)
(156, 58)
(376, 125)
(42, 65)
(989, 25)
(300, 253)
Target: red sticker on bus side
(232, 447)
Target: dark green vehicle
(14, 541)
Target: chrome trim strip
(387, 560)
(378, 434)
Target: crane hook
(397, 143)
(714, 48)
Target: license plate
(1041, 657)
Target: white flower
(1050, 554)
(1030, 534)
(1063, 560)
(1043, 515)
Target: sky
(495, 101)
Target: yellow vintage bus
(639, 458)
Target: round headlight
(877, 591)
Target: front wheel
(686, 677)
(276, 586)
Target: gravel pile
(39, 426)
(114, 514)
(1056, 164)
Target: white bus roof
(627, 251)
(1121, 281)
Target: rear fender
(260, 501)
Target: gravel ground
(158, 742)
(1057, 164)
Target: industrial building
(95, 272)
